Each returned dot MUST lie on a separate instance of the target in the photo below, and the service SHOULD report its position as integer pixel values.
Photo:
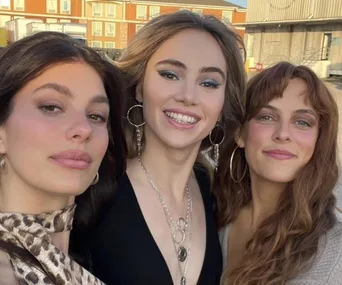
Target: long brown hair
(287, 241)
(147, 41)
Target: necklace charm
(179, 231)
(183, 281)
(182, 253)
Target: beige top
(7, 276)
(327, 266)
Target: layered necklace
(179, 229)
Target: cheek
(212, 104)
(306, 139)
(30, 131)
(257, 135)
(100, 142)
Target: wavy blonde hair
(147, 41)
(287, 241)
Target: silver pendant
(183, 281)
(182, 253)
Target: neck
(19, 198)
(265, 197)
(169, 168)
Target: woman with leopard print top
(56, 116)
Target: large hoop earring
(137, 127)
(96, 179)
(216, 145)
(2, 162)
(231, 167)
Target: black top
(123, 250)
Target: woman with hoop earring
(275, 184)
(184, 86)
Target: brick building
(110, 23)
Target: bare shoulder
(7, 276)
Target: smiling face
(56, 136)
(183, 89)
(280, 140)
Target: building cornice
(290, 22)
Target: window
(4, 19)
(110, 30)
(138, 27)
(19, 5)
(250, 44)
(96, 44)
(111, 10)
(326, 46)
(65, 7)
(198, 11)
(109, 45)
(51, 6)
(5, 4)
(97, 9)
(141, 12)
(50, 20)
(64, 21)
(154, 11)
(227, 16)
(97, 28)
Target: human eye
(303, 123)
(50, 108)
(99, 118)
(265, 118)
(210, 84)
(168, 75)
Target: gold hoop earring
(96, 179)
(231, 167)
(217, 145)
(137, 127)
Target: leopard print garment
(34, 258)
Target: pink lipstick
(280, 154)
(74, 159)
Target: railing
(113, 54)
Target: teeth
(185, 119)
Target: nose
(282, 132)
(80, 129)
(188, 94)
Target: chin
(280, 177)
(70, 189)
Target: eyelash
(172, 76)
(212, 84)
(168, 75)
(264, 118)
(47, 109)
(299, 122)
(306, 124)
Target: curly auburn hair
(287, 241)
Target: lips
(73, 159)
(280, 154)
(181, 118)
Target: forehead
(195, 48)
(295, 96)
(75, 75)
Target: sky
(242, 3)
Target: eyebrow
(300, 111)
(180, 64)
(64, 90)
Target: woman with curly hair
(275, 184)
